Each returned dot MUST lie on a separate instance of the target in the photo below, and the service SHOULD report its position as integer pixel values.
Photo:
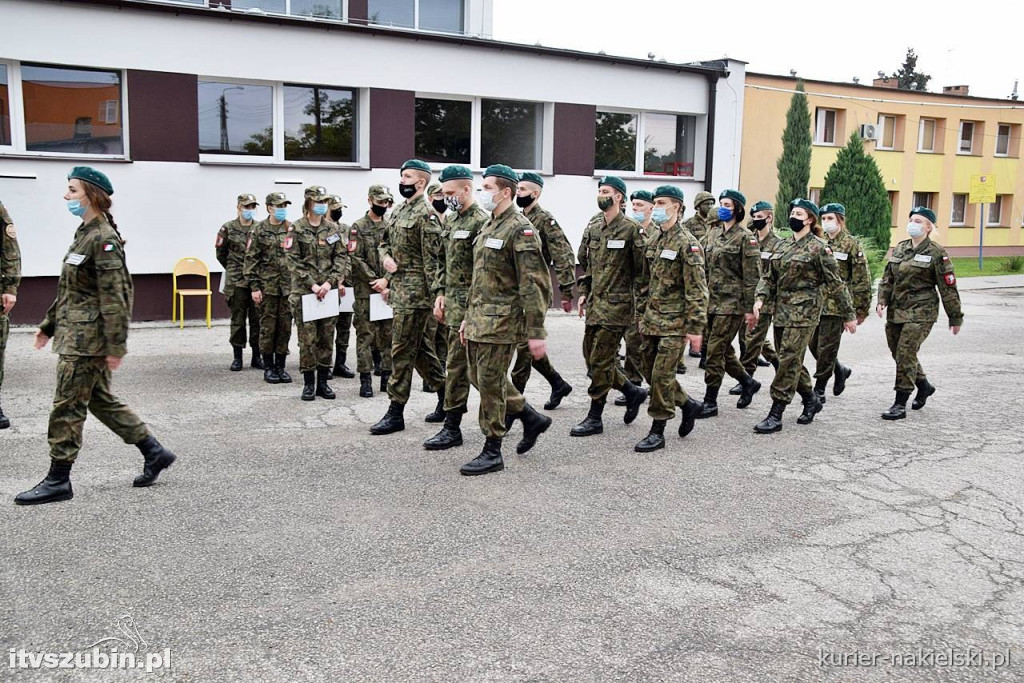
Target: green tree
(794, 165)
(908, 77)
(616, 142)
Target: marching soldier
(436, 338)
(409, 254)
(557, 252)
(88, 323)
(698, 225)
(756, 342)
(10, 278)
(916, 270)
(343, 328)
(641, 210)
(231, 240)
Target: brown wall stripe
(392, 127)
(162, 109)
(574, 131)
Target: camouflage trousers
(83, 384)
(524, 362)
(757, 344)
(316, 340)
(660, 358)
(5, 330)
(601, 350)
(342, 331)
(275, 324)
(634, 355)
(244, 312)
(488, 372)
(721, 356)
(456, 379)
(370, 337)
(824, 345)
(791, 377)
(905, 340)
(409, 350)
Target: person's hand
(439, 303)
(41, 340)
(750, 319)
(567, 304)
(390, 265)
(379, 285)
(257, 297)
(113, 363)
(580, 304)
(316, 290)
(695, 342)
(538, 348)
(462, 333)
(955, 329)
(341, 288)
(850, 326)
(8, 302)
(861, 319)
(755, 314)
(880, 309)
(385, 295)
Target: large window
(1003, 140)
(510, 133)
(446, 16)
(958, 212)
(926, 135)
(925, 199)
(319, 124)
(444, 130)
(5, 107)
(71, 111)
(322, 9)
(825, 128)
(615, 148)
(966, 145)
(668, 143)
(995, 212)
(887, 132)
(236, 119)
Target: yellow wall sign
(983, 189)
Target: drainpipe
(712, 106)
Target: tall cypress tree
(795, 163)
(855, 182)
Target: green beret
(530, 177)
(455, 172)
(642, 195)
(761, 206)
(734, 195)
(416, 165)
(614, 182)
(670, 191)
(834, 208)
(805, 204)
(923, 211)
(91, 175)
(502, 171)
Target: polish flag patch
(694, 248)
(108, 247)
(753, 242)
(528, 232)
(950, 279)
(220, 239)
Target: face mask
(320, 209)
(523, 201)
(406, 190)
(453, 203)
(831, 227)
(440, 205)
(247, 214)
(336, 215)
(487, 201)
(659, 214)
(724, 214)
(605, 203)
(759, 223)
(378, 211)
(795, 224)
(280, 213)
(638, 216)
(913, 229)
(76, 208)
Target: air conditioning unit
(869, 131)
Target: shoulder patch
(950, 279)
(108, 246)
(694, 247)
(753, 242)
(11, 232)
(528, 232)
(220, 239)
(945, 258)
(287, 243)
(828, 250)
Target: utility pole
(225, 145)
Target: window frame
(1009, 136)
(879, 144)
(637, 153)
(920, 135)
(928, 204)
(960, 138)
(997, 204)
(821, 125)
(953, 223)
(639, 171)
(475, 112)
(416, 20)
(287, 10)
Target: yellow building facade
(927, 147)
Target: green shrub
(1013, 264)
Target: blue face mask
(247, 214)
(320, 209)
(638, 216)
(76, 208)
(724, 214)
(659, 214)
(280, 213)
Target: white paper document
(223, 281)
(318, 309)
(346, 301)
(380, 310)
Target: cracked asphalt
(288, 543)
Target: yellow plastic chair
(190, 266)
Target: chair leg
(209, 305)
(181, 311)
(174, 305)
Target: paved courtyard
(289, 544)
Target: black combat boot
(750, 387)
(710, 407)
(236, 364)
(365, 385)
(308, 385)
(55, 487)
(654, 440)
(772, 423)
(270, 374)
(736, 390)
(841, 373)
(762, 363)
(924, 390)
(285, 377)
(4, 422)
(450, 435)
(385, 375)
(375, 355)
(156, 459)
(812, 406)
(340, 369)
(559, 388)
(620, 400)
(635, 397)
(898, 411)
(681, 370)
(694, 354)
(393, 420)
(438, 415)
(257, 360)
(323, 389)
(703, 357)
(489, 460)
(534, 424)
(690, 411)
(820, 385)
(592, 423)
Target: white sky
(957, 43)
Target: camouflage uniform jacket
(733, 263)
(456, 268)
(413, 239)
(10, 254)
(93, 307)
(853, 268)
(699, 227)
(612, 257)
(801, 273)
(363, 239)
(317, 255)
(557, 250)
(767, 246)
(266, 258)
(675, 298)
(507, 295)
(231, 240)
(910, 280)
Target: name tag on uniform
(460, 234)
(840, 255)
(923, 258)
(75, 259)
(669, 254)
(333, 238)
(616, 244)
(494, 243)
(766, 255)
